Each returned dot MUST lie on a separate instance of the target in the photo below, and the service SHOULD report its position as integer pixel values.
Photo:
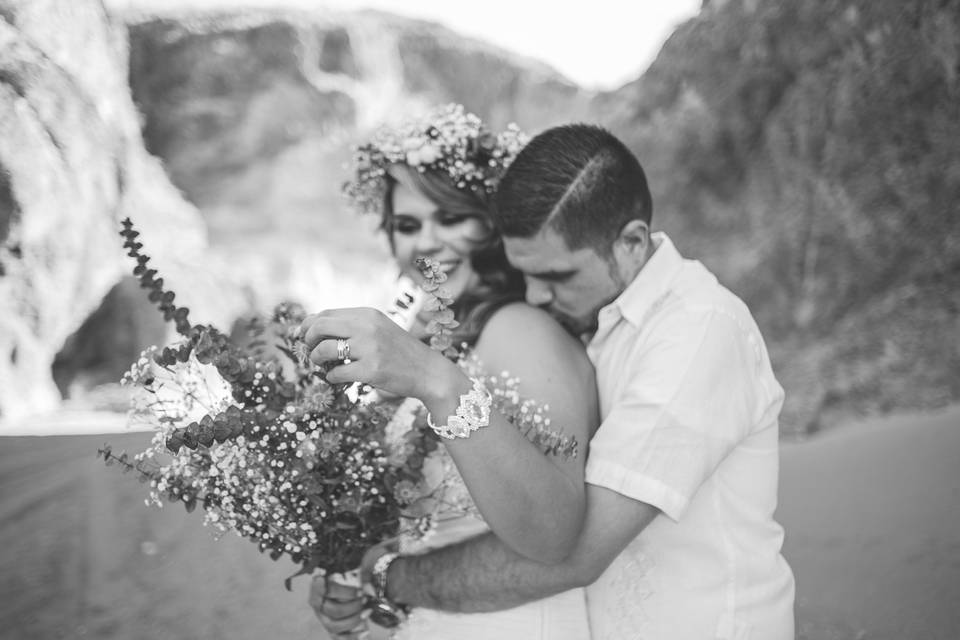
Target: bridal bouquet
(272, 452)
(264, 444)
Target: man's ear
(631, 249)
(633, 240)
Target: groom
(679, 540)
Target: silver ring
(343, 350)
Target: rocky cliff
(808, 152)
(253, 116)
(254, 113)
(72, 163)
(805, 151)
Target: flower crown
(449, 140)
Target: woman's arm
(533, 501)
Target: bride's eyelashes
(409, 225)
(453, 219)
(406, 225)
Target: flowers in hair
(449, 140)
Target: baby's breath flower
(449, 140)
(141, 371)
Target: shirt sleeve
(688, 401)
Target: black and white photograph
(427, 320)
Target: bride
(431, 182)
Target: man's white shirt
(689, 407)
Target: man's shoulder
(694, 306)
(696, 290)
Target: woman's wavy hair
(500, 283)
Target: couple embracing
(661, 525)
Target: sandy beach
(872, 513)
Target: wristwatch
(384, 611)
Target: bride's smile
(420, 228)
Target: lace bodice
(444, 512)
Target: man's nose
(538, 294)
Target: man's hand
(339, 608)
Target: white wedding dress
(560, 617)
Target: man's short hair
(578, 178)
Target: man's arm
(482, 574)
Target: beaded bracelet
(473, 413)
(384, 611)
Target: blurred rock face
(805, 151)
(72, 164)
(808, 153)
(253, 117)
(254, 114)
(814, 168)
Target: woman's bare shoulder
(550, 364)
(519, 331)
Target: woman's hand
(339, 607)
(380, 353)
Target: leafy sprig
(148, 280)
(259, 387)
(439, 302)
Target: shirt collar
(651, 284)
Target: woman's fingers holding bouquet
(345, 629)
(340, 608)
(331, 323)
(335, 350)
(380, 353)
